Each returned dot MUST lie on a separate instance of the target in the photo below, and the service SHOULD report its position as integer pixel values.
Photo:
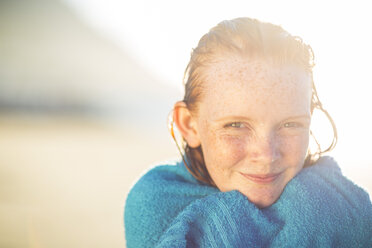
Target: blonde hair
(250, 39)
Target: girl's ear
(186, 124)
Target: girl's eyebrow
(233, 117)
(243, 118)
(299, 117)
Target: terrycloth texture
(318, 208)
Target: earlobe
(186, 124)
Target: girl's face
(253, 126)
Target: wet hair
(249, 39)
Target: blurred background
(86, 87)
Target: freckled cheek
(232, 149)
(294, 148)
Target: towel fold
(318, 208)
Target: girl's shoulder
(157, 198)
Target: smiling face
(253, 126)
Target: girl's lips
(262, 179)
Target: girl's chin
(263, 200)
(263, 204)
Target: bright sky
(160, 35)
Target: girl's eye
(235, 125)
(292, 124)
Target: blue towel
(318, 208)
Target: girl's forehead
(239, 68)
(240, 86)
(255, 75)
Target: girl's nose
(263, 149)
